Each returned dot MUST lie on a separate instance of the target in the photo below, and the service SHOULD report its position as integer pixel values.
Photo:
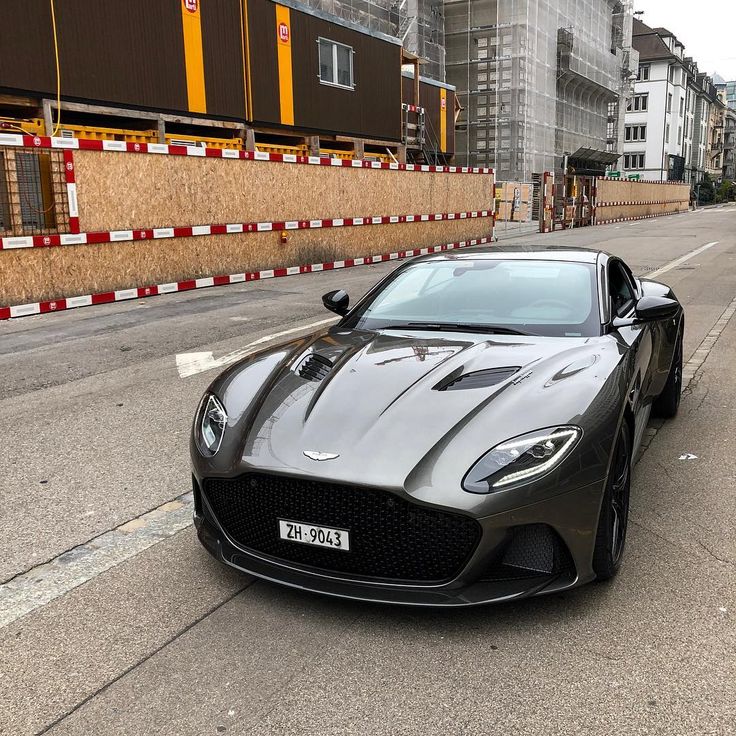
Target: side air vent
(477, 379)
(314, 367)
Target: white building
(661, 116)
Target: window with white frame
(643, 73)
(638, 103)
(635, 133)
(634, 160)
(335, 64)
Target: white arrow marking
(189, 364)
(688, 456)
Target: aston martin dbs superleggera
(464, 434)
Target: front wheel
(668, 402)
(613, 520)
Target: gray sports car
(464, 434)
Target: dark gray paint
(378, 411)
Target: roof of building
(648, 42)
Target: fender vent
(477, 379)
(314, 367)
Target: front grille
(531, 551)
(391, 539)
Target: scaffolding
(423, 33)
(536, 79)
(418, 23)
(379, 16)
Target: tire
(668, 402)
(614, 516)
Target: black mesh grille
(531, 551)
(390, 538)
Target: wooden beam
(48, 118)
(19, 101)
(125, 112)
(161, 130)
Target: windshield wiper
(457, 327)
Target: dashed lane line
(681, 260)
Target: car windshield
(553, 298)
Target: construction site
(487, 112)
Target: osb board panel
(119, 191)
(611, 190)
(38, 274)
(506, 191)
(505, 211)
(639, 210)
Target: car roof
(521, 252)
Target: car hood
(378, 413)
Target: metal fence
(33, 197)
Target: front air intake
(314, 367)
(476, 379)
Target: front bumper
(570, 519)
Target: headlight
(521, 459)
(212, 421)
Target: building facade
(538, 80)
(418, 23)
(672, 117)
(729, 145)
(731, 94)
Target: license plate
(319, 536)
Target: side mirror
(337, 301)
(653, 308)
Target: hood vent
(477, 379)
(314, 367)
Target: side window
(335, 64)
(620, 288)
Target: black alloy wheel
(613, 520)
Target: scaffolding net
(536, 79)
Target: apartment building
(656, 133)
(671, 120)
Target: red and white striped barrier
(84, 144)
(59, 305)
(638, 217)
(412, 108)
(116, 236)
(628, 204)
(71, 191)
(640, 181)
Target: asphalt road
(160, 639)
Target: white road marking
(189, 364)
(44, 583)
(682, 259)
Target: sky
(707, 29)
